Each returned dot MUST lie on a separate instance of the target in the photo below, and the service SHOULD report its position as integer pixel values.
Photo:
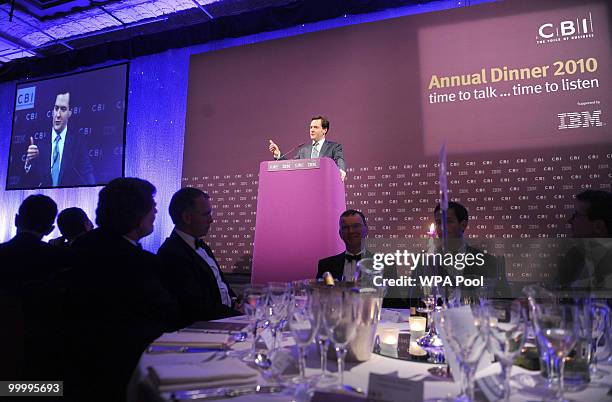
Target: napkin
(175, 376)
(195, 339)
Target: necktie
(351, 258)
(55, 166)
(315, 151)
(199, 243)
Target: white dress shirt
(223, 290)
(61, 145)
(319, 146)
(348, 273)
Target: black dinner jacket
(76, 167)
(335, 266)
(31, 289)
(329, 149)
(191, 280)
(117, 306)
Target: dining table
(527, 385)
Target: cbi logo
(576, 28)
(25, 98)
(583, 119)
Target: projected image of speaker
(69, 131)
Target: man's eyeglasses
(354, 226)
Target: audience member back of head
(31, 286)
(117, 303)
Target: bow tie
(351, 258)
(199, 243)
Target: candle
(432, 230)
(416, 350)
(389, 336)
(417, 324)
(388, 341)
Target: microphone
(291, 150)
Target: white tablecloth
(357, 376)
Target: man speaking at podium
(318, 147)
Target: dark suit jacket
(31, 278)
(493, 270)
(335, 266)
(572, 270)
(330, 149)
(76, 168)
(191, 280)
(117, 305)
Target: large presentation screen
(69, 131)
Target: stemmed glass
(321, 336)
(505, 333)
(303, 321)
(600, 320)
(467, 343)
(278, 296)
(254, 306)
(340, 317)
(557, 327)
(431, 341)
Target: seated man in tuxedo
(118, 304)
(353, 231)
(317, 147)
(457, 218)
(191, 272)
(72, 223)
(589, 262)
(61, 157)
(31, 281)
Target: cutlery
(159, 349)
(225, 392)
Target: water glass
(303, 321)
(254, 306)
(468, 344)
(557, 326)
(505, 333)
(341, 317)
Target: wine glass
(465, 341)
(321, 336)
(505, 333)
(278, 295)
(303, 321)
(557, 327)
(600, 321)
(254, 306)
(431, 340)
(340, 317)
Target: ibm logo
(579, 119)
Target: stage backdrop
(157, 98)
(518, 90)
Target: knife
(225, 392)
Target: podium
(298, 209)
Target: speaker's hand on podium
(342, 175)
(274, 149)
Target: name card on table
(462, 321)
(392, 388)
(387, 315)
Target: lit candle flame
(432, 230)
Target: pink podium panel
(298, 208)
